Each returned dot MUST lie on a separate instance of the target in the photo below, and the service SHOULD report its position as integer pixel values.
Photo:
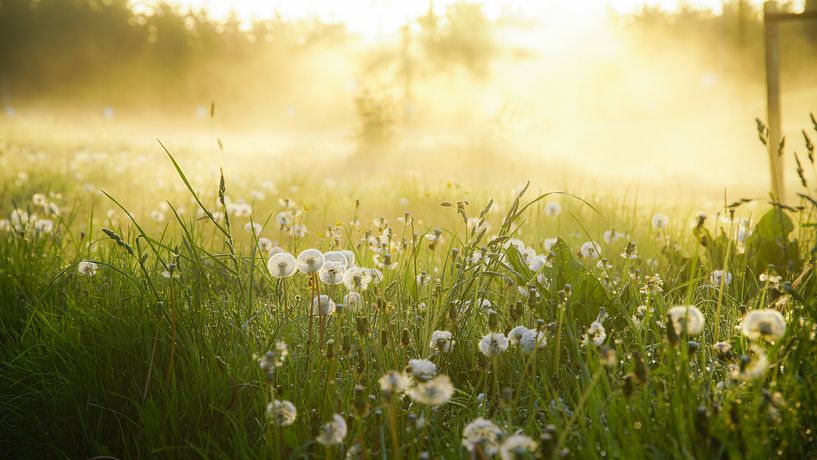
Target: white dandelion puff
(281, 413)
(421, 369)
(517, 446)
(481, 434)
(394, 382)
(686, 318)
(87, 268)
(323, 305)
(590, 250)
(660, 221)
(332, 433)
(332, 273)
(281, 265)
(356, 279)
(310, 261)
(441, 341)
(435, 392)
(493, 344)
(766, 324)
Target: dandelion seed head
(493, 343)
(333, 432)
(310, 261)
(660, 221)
(752, 366)
(421, 369)
(765, 324)
(517, 446)
(357, 279)
(590, 250)
(87, 268)
(323, 305)
(441, 341)
(281, 265)
(483, 434)
(434, 392)
(337, 257)
(553, 208)
(394, 383)
(281, 413)
(332, 272)
(686, 319)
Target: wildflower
(630, 252)
(157, 215)
(481, 435)
(356, 279)
(298, 231)
(723, 349)
(441, 341)
(323, 305)
(253, 227)
(384, 261)
(590, 250)
(265, 244)
(751, 366)
(515, 335)
(274, 358)
(281, 413)
(435, 238)
(87, 268)
(332, 272)
(44, 225)
(660, 221)
(5, 225)
(423, 278)
(596, 334)
(39, 200)
(332, 433)
(393, 382)
(352, 300)
(772, 279)
(350, 257)
(532, 340)
(553, 208)
(281, 265)
(421, 369)
(721, 276)
(283, 219)
(310, 261)
(686, 319)
(336, 256)
(435, 392)
(19, 218)
(493, 344)
(640, 314)
(517, 446)
(611, 236)
(375, 275)
(652, 285)
(766, 324)
(607, 356)
(549, 242)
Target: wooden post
(772, 49)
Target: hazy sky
(371, 17)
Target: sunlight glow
(375, 17)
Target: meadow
(154, 306)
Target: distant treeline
(101, 51)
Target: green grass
(131, 364)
